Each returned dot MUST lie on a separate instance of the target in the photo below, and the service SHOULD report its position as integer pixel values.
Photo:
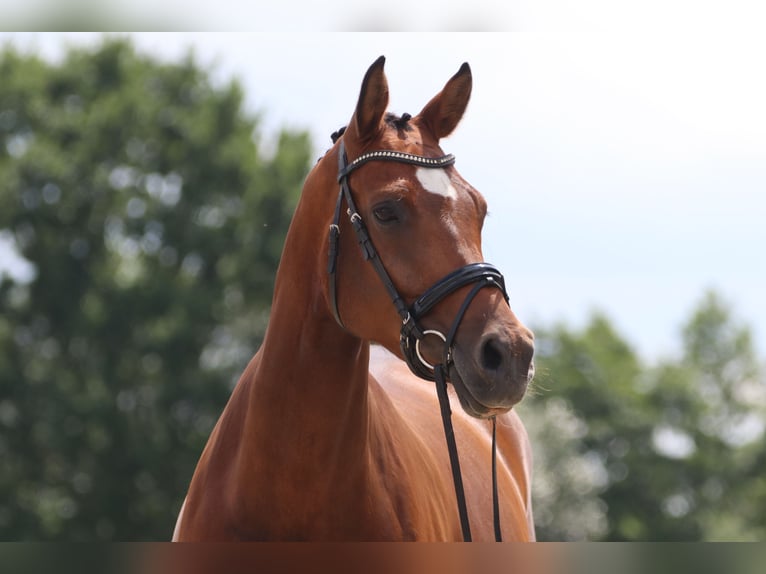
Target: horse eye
(385, 214)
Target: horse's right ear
(445, 110)
(372, 104)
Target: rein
(479, 275)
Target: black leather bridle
(479, 275)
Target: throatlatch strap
(332, 258)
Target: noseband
(479, 275)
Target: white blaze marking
(436, 181)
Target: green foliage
(154, 227)
(669, 452)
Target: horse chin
(470, 404)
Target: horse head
(423, 222)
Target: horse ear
(445, 110)
(373, 101)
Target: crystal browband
(399, 156)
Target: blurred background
(147, 182)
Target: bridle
(480, 275)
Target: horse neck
(308, 394)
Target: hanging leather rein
(479, 275)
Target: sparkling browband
(399, 156)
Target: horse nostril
(491, 357)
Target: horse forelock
(399, 123)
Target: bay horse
(329, 438)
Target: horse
(331, 433)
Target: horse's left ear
(444, 111)
(373, 100)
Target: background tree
(584, 419)
(154, 224)
(713, 401)
(627, 451)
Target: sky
(624, 166)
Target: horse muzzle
(492, 373)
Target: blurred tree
(628, 452)
(588, 416)
(712, 407)
(153, 225)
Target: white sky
(625, 169)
